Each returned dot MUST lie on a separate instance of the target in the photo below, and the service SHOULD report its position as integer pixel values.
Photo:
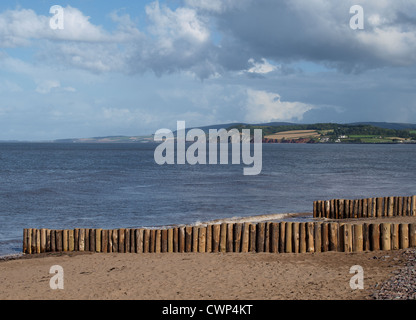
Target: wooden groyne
(272, 237)
(365, 208)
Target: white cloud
(46, 86)
(262, 67)
(263, 106)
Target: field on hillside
(294, 134)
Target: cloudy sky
(133, 67)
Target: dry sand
(200, 276)
(196, 276)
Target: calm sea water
(65, 186)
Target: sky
(133, 67)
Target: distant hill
(268, 128)
(388, 125)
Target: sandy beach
(196, 276)
(201, 276)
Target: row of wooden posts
(365, 208)
(282, 237)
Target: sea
(109, 186)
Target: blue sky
(133, 67)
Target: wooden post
(253, 238)
(302, 237)
(365, 208)
(110, 241)
(245, 237)
(274, 237)
(127, 241)
(404, 235)
(333, 236)
(195, 235)
(370, 207)
(176, 239)
(146, 241)
(133, 243)
(413, 206)
(164, 246)
(379, 207)
(288, 238)
(230, 237)
(71, 242)
(223, 238)
(295, 237)
(43, 241)
(375, 236)
(188, 239)
(347, 237)
(121, 238)
(325, 238)
(374, 208)
(98, 240)
(336, 208)
(282, 237)
(170, 240)
(355, 210)
(386, 236)
(209, 239)
(59, 242)
(347, 208)
(385, 206)
(92, 240)
(358, 243)
(409, 206)
(360, 208)
(405, 206)
(366, 237)
(158, 241)
(33, 241)
(152, 241)
(81, 240)
(352, 206)
(315, 211)
(182, 239)
(202, 244)
(341, 213)
(390, 206)
(318, 235)
(65, 240)
(139, 240)
(48, 241)
(267, 235)
(327, 208)
(333, 209)
(412, 235)
(237, 237)
(25, 241)
(216, 231)
(395, 236)
(87, 240)
(53, 241)
(400, 206)
(310, 237)
(260, 237)
(104, 241)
